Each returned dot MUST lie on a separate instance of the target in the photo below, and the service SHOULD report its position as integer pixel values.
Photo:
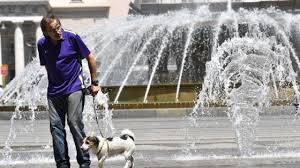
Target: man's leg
(75, 109)
(57, 113)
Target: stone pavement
(166, 142)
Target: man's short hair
(46, 20)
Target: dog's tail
(127, 133)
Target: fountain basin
(163, 96)
(157, 93)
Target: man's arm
(95, 87)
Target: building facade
(162, 6)
(20, 26)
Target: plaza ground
(167, 142)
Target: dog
(104, 148)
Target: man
(59, 51)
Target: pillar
(38, 35)
(19, 49)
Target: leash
(96, 117)
(87, 92)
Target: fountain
(246, 68)
(250, 58)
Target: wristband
(95, 82)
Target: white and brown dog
(104, 148)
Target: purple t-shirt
(61, 62)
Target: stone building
(19, 26)
(163, 6)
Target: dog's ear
(94, 140)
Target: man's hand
(94, 90)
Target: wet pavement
(229, 163)
(164, 143)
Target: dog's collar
(102, 144)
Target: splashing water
(229, 5)
(109, 129)
(244, 69)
